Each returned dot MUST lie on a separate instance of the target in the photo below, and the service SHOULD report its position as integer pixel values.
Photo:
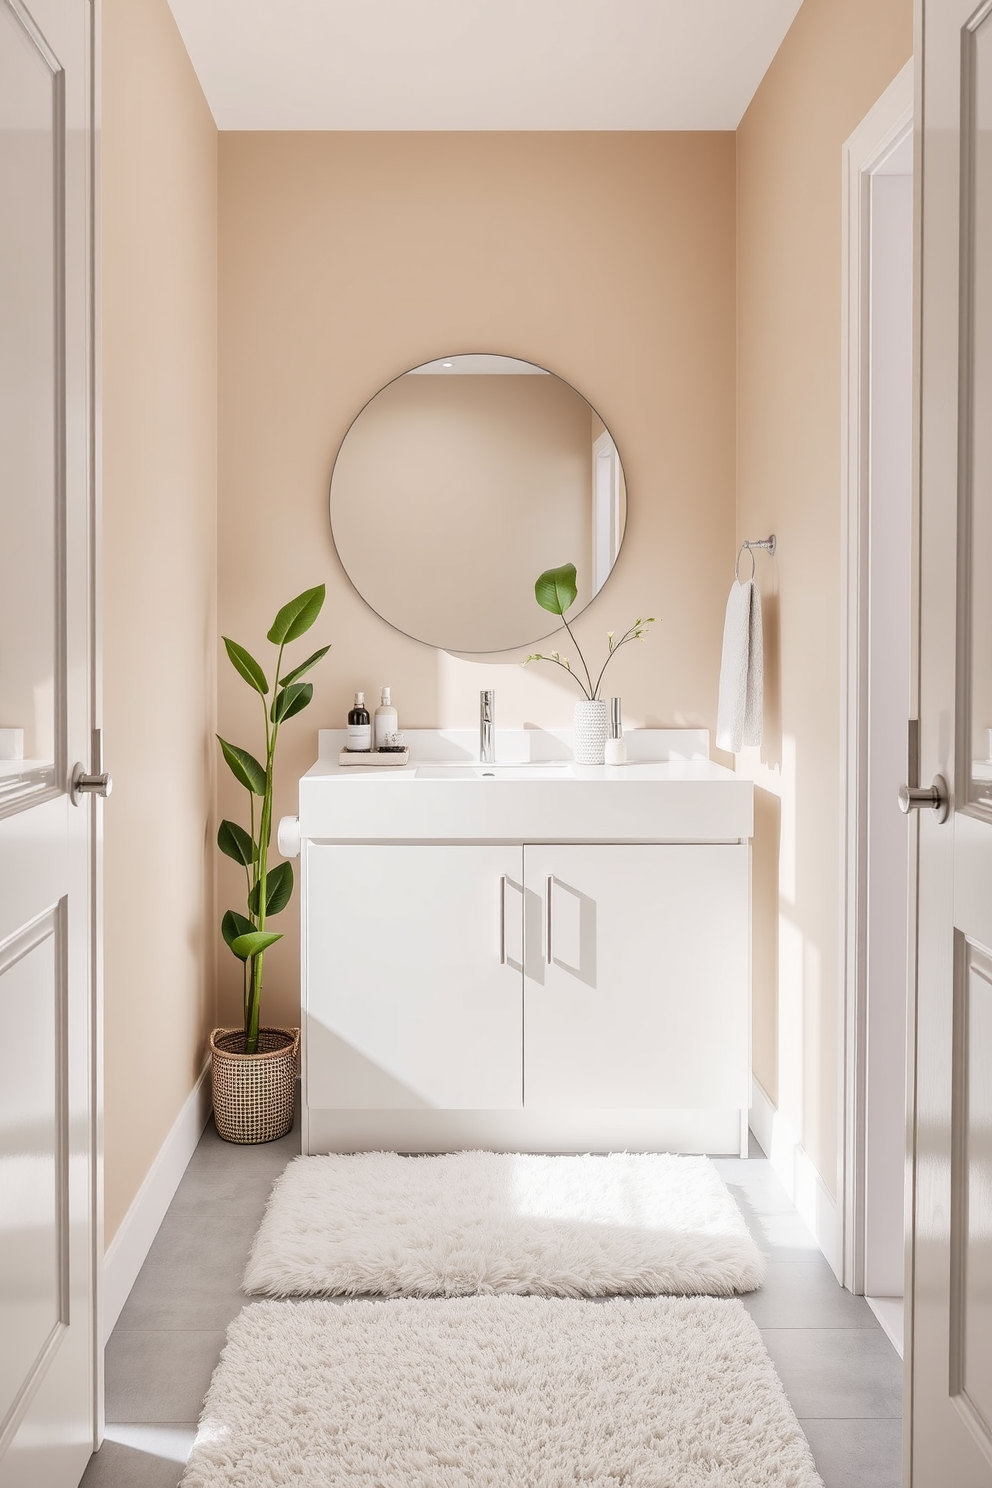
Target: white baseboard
(126, 1253)
(890, 1313)
(794, 1168)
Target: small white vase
(591, 727)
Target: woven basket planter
(253, 1093)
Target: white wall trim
(874, 139)
(127, 1251)
(794, 1168)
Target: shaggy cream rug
(469, 1222)
(498, 1392)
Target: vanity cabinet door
(414, 977)
(645, 1000)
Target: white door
(951, 1261)
(414, 977)
(48, 1359)
(641, 996)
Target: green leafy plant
(268, 891)
(555, 592)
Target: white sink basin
(535, 770)
(446, 795)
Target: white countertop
(672, 797)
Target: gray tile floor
(841, 1374)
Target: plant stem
(264, 832)
(588, 689)
(628, 636)
(577, 680)
(254, 866)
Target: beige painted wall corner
(159, 292)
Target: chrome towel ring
(769, 543)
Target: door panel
(32, 190)
(32, 1109)
(426, 1011)
(49, 1367)
(644, 1001)
(971, 1240)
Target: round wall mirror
(463, 480)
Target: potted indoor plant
(555, 592)
(253, 1068)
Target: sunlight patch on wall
(800, 1025)
(780, 781)
(791, 1021)
(812, 995)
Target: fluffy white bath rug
(498, 1392)
(484, 1222)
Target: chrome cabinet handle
(502, 919)
(936, 797)
(549, 889)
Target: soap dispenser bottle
(616, 744)
(359, 727)
(385, 720)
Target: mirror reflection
(459, 483)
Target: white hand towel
(738, 714)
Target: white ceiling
(481, 64)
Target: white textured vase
(591, 727)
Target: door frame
(880, 132)
(95, 574)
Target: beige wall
(347, 258)
(838, 57)
(159, 159)
(341, 261)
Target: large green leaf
(555, 590)
(253, 943)
(295, 618)
(278, 890)
(233, 925)
(236, 842)
(244, 767)
(304, 667)
(292, 700)
(247, 666)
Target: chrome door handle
(936, 797)
(99, 783)
(81, 785)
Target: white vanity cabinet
(468, 985)
(642, 1000)
(409, 1004)
(493, 978)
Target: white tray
(373, 757)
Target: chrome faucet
(487, 728)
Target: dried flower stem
(635, 632)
